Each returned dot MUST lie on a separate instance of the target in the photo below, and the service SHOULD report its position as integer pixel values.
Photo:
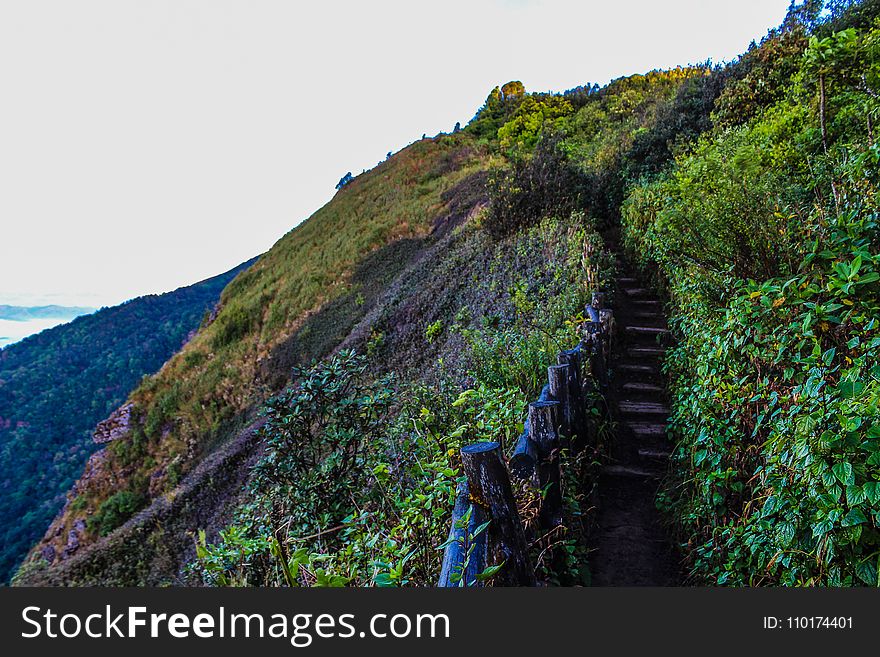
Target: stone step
(656, 454)
(634, 386)
(649, 317)
(645, 352)
(650, 370)
(647, 430)
(646, 330)
(627, 280)
(635, 291)
(642, 408)
(628, 471)
(646, 302)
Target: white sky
(147, 145)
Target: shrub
(115, 510)
(545, 184)
(316, 434)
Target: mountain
(24, 313)
(57, 385)
(309, 433)
(18, 322)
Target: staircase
(630, 545)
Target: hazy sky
(147, 145)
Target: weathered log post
(561, 392)
(489, 485)
(523, 464)
(572, 358)
(580, 435)
(461, 539)
(543, 422)
(596, 338)
(606, 320)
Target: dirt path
(631, 546)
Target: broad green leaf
(867, 572)
(849, 389)
(872, 491)
(844, 473)
(489, 572)
(854, 517)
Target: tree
(347, 178)
(513, 89)
(500, 105)
(822, 58)
(524, 129)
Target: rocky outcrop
(79, 528)
(114, 427)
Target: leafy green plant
(115, 510)
(433, 331)
(767, 236)
(467, 539)
(317, 432)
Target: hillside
(57, 385)
(310, 434)
(295, 303)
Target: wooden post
(606, 319)
(598, 366)
(460, 543)
(524, 461)
(489, 485)
(572, 358)
(560, 391)
(545, 394)
(543, 422)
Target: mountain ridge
(52, 311)
(418, 311)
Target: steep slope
(206, 394)
(383, 268)
(57, 385)
(748, 195)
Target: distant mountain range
(27, 313)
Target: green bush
(317, 433)
(767, 235)
(544, 184)
(115, 510)
(776, 406)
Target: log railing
(487, 531)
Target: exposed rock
(114, 427)
(157, 482)
(48, 553)
(94, 467)
(79, 528)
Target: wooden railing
(487, 536)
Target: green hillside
(419, 309)
(57, 385)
